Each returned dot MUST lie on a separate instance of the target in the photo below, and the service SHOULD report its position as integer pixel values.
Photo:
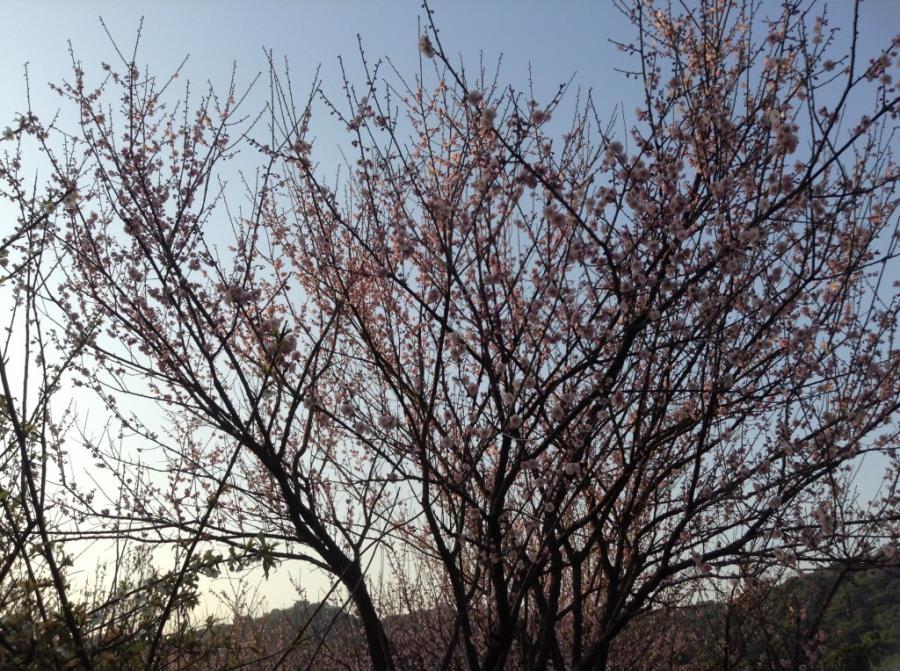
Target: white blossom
(387, 422)
(426, 47)
(488, 116)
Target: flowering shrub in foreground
(529, 386)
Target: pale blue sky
(558, 39)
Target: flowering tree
(541, 386)
(41, 621)
(47, 619)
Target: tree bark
(376, 638)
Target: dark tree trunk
(376, 638)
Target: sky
(557, 39)
(552, 40)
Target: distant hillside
(863, 623)
(315, 618)
(855, 617)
